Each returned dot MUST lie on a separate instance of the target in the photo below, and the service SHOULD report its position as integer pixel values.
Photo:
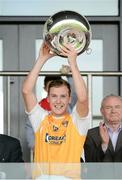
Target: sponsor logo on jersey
(54, 139)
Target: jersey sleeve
(82, 124)
(36, 116)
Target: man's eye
(63, 96)
(53, 95)
(108, 107)
(118, 107)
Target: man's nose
(58, 100)
(113, 109)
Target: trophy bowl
(67, 27)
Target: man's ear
(101, 110)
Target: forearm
(80, 88)
(79, 84)
(30, 81)
(29, 95)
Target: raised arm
(30, 81)
(79, 84)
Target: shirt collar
(118, 129)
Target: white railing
(89, 76)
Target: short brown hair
(58, 83)
(50, 78)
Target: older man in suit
(104, 143)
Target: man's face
(59, 100)
(112, 110)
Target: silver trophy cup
(67, 27)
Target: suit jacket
(93, 150)
(11, 166)
(10, 149)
